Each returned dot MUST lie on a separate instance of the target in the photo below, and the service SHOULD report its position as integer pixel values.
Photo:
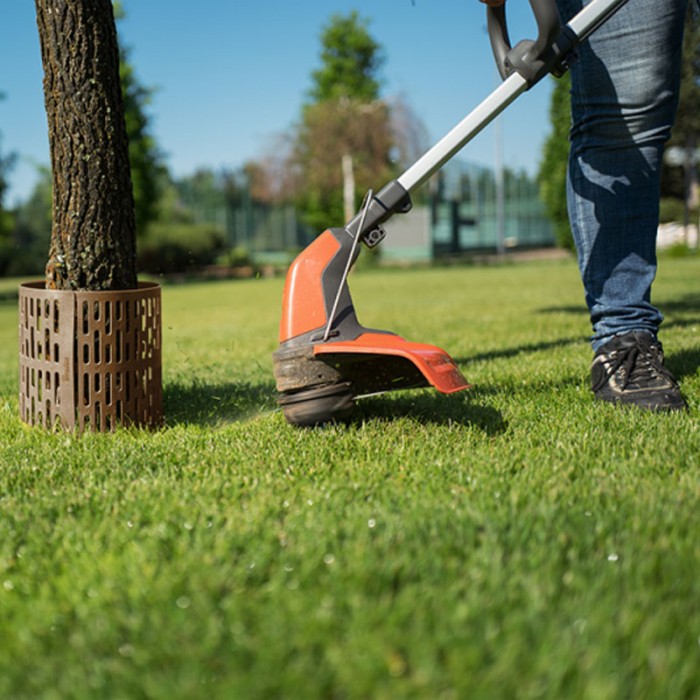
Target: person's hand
(494, 3)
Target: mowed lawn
(513, 541)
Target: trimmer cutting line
(326, 359)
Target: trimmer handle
(527, 57)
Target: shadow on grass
(212, 405)
(216, 404)
(578, 309)
(519, 349)
(688, 303)
(684, 363)
(684, 304)
(431, 408)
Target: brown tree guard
(93, 239)
(90, 360)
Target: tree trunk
(93, 241)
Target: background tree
(93, 233)
(273, 176)
(6, 219)
(552, 171)
(679, 175)
(191, 226)
(341, 143)
(351, 60)
(349, 137)
(6, 163)
(31, 232)
(345, 133)
(410, 135)
(146, 159)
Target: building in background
(461, 217)
(456, 216)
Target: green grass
(515, 540)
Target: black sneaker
(630, 369)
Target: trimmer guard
(379, 362)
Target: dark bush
(673, 209)
(178, 247)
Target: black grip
(527, 57)
(498, 35)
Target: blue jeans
(624, 98)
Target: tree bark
(93, 238)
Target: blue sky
(229, 76)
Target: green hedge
(179, 247)
(672, 209)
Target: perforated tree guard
(90, 360)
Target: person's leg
(624, 97)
